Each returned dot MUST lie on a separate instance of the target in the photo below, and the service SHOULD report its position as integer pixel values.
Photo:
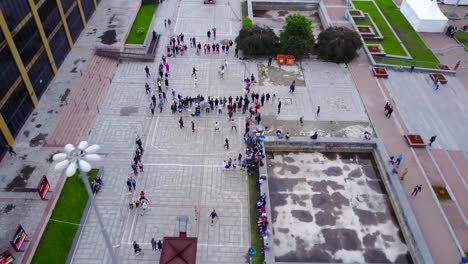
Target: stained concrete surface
(329, 207)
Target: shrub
(296, 37)
(258, 41)
(338, 44)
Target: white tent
(424, 15)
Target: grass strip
(462, 37)
(390, 42)
(58, 236)
(415, 45)
(246, 21)
(141, 24)
(255, 239)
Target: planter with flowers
(415, 140)
(441, 193)
(444, 67)
(375, 49)
(366, 32)
(380, 72)
(439, 76)
(357, 14)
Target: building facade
(35, 38)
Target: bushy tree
(258, 41)
(338, 44)
(296, 37)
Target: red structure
(179, 250)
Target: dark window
(8, 71)
(75, 25)
(1, 37)
(66, 4)
(59, 46)
(49, 15)
(41, 74)
(14, 11)
(88, 8)
(17, 109)
(27, 41)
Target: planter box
(356, 14)
(375, 49)
(444, 67)
(415, 140)
(438, 76)
(441, 193)
(380, 72)
(366, 32)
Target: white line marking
(183, 165)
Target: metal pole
(84, 177)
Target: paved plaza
(183, 170)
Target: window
(66, 4)
(2, 143)
(75, 25)
(8, 73)
(14, 11)
(27, 41)
(88, 8)
(17, 109)
(59, 46)
(49, 15)
(41, 74)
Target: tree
(338, 44)
(296, 37)
(258, 41)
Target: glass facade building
(35, 38)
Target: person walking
(416, 190)
(169, 22)
(140, 166)
(402, 176)
(152, 107)
(226, 143)
(181, 122)
(208, 34)
(165, 23)
(133, 183)
(194, 72)
(436, 84)
(154, 244)
(399, 159)
(213, 216)
(270, 59)
(147, 72)
(137, 248)
(318, 110)
(233, 125)
(10, 150)
(129, 185)
(389, 111)
(214, 32)
(431, 140)
(292, 87)
(193, 127)
(160, 245)
(216, 126)
(279, 107)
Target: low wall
(409, 226)
(285, 4)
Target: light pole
(77, 158)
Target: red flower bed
(415, 140)
(355, 13)
(444, 67)
(364, 29)
(374, 49)
(441, 193)
(440, 77)
(380, 72)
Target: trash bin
(290, 60)
(281, 59)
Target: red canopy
(179, 250)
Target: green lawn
(390, 42)
(141, 24)
(462, 37)
(254, 194)
(415, 45)
(58, 237)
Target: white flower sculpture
(74, 158)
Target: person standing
(416, 190)
(399, 159)
(318, 110)
(208, 34)
(147, 72)
(292, 87)
(270, 59)
(194, 72)
(214, 32)
(279, 107)
(431, 140)
(216, 126)
(226, 143)
(154, 244)
(436, 84)
(236, 52)
(165, 23)
(133, 182)
(137, 248)
(160, 246)
(405, 171)
(193, 127)
(10, 150)
(152, 107)
(181, 122)
(129, 185)
(213, 216)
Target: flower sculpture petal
(71, 169)
(75, 158)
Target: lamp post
(77, 158)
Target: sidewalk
(425, 207)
